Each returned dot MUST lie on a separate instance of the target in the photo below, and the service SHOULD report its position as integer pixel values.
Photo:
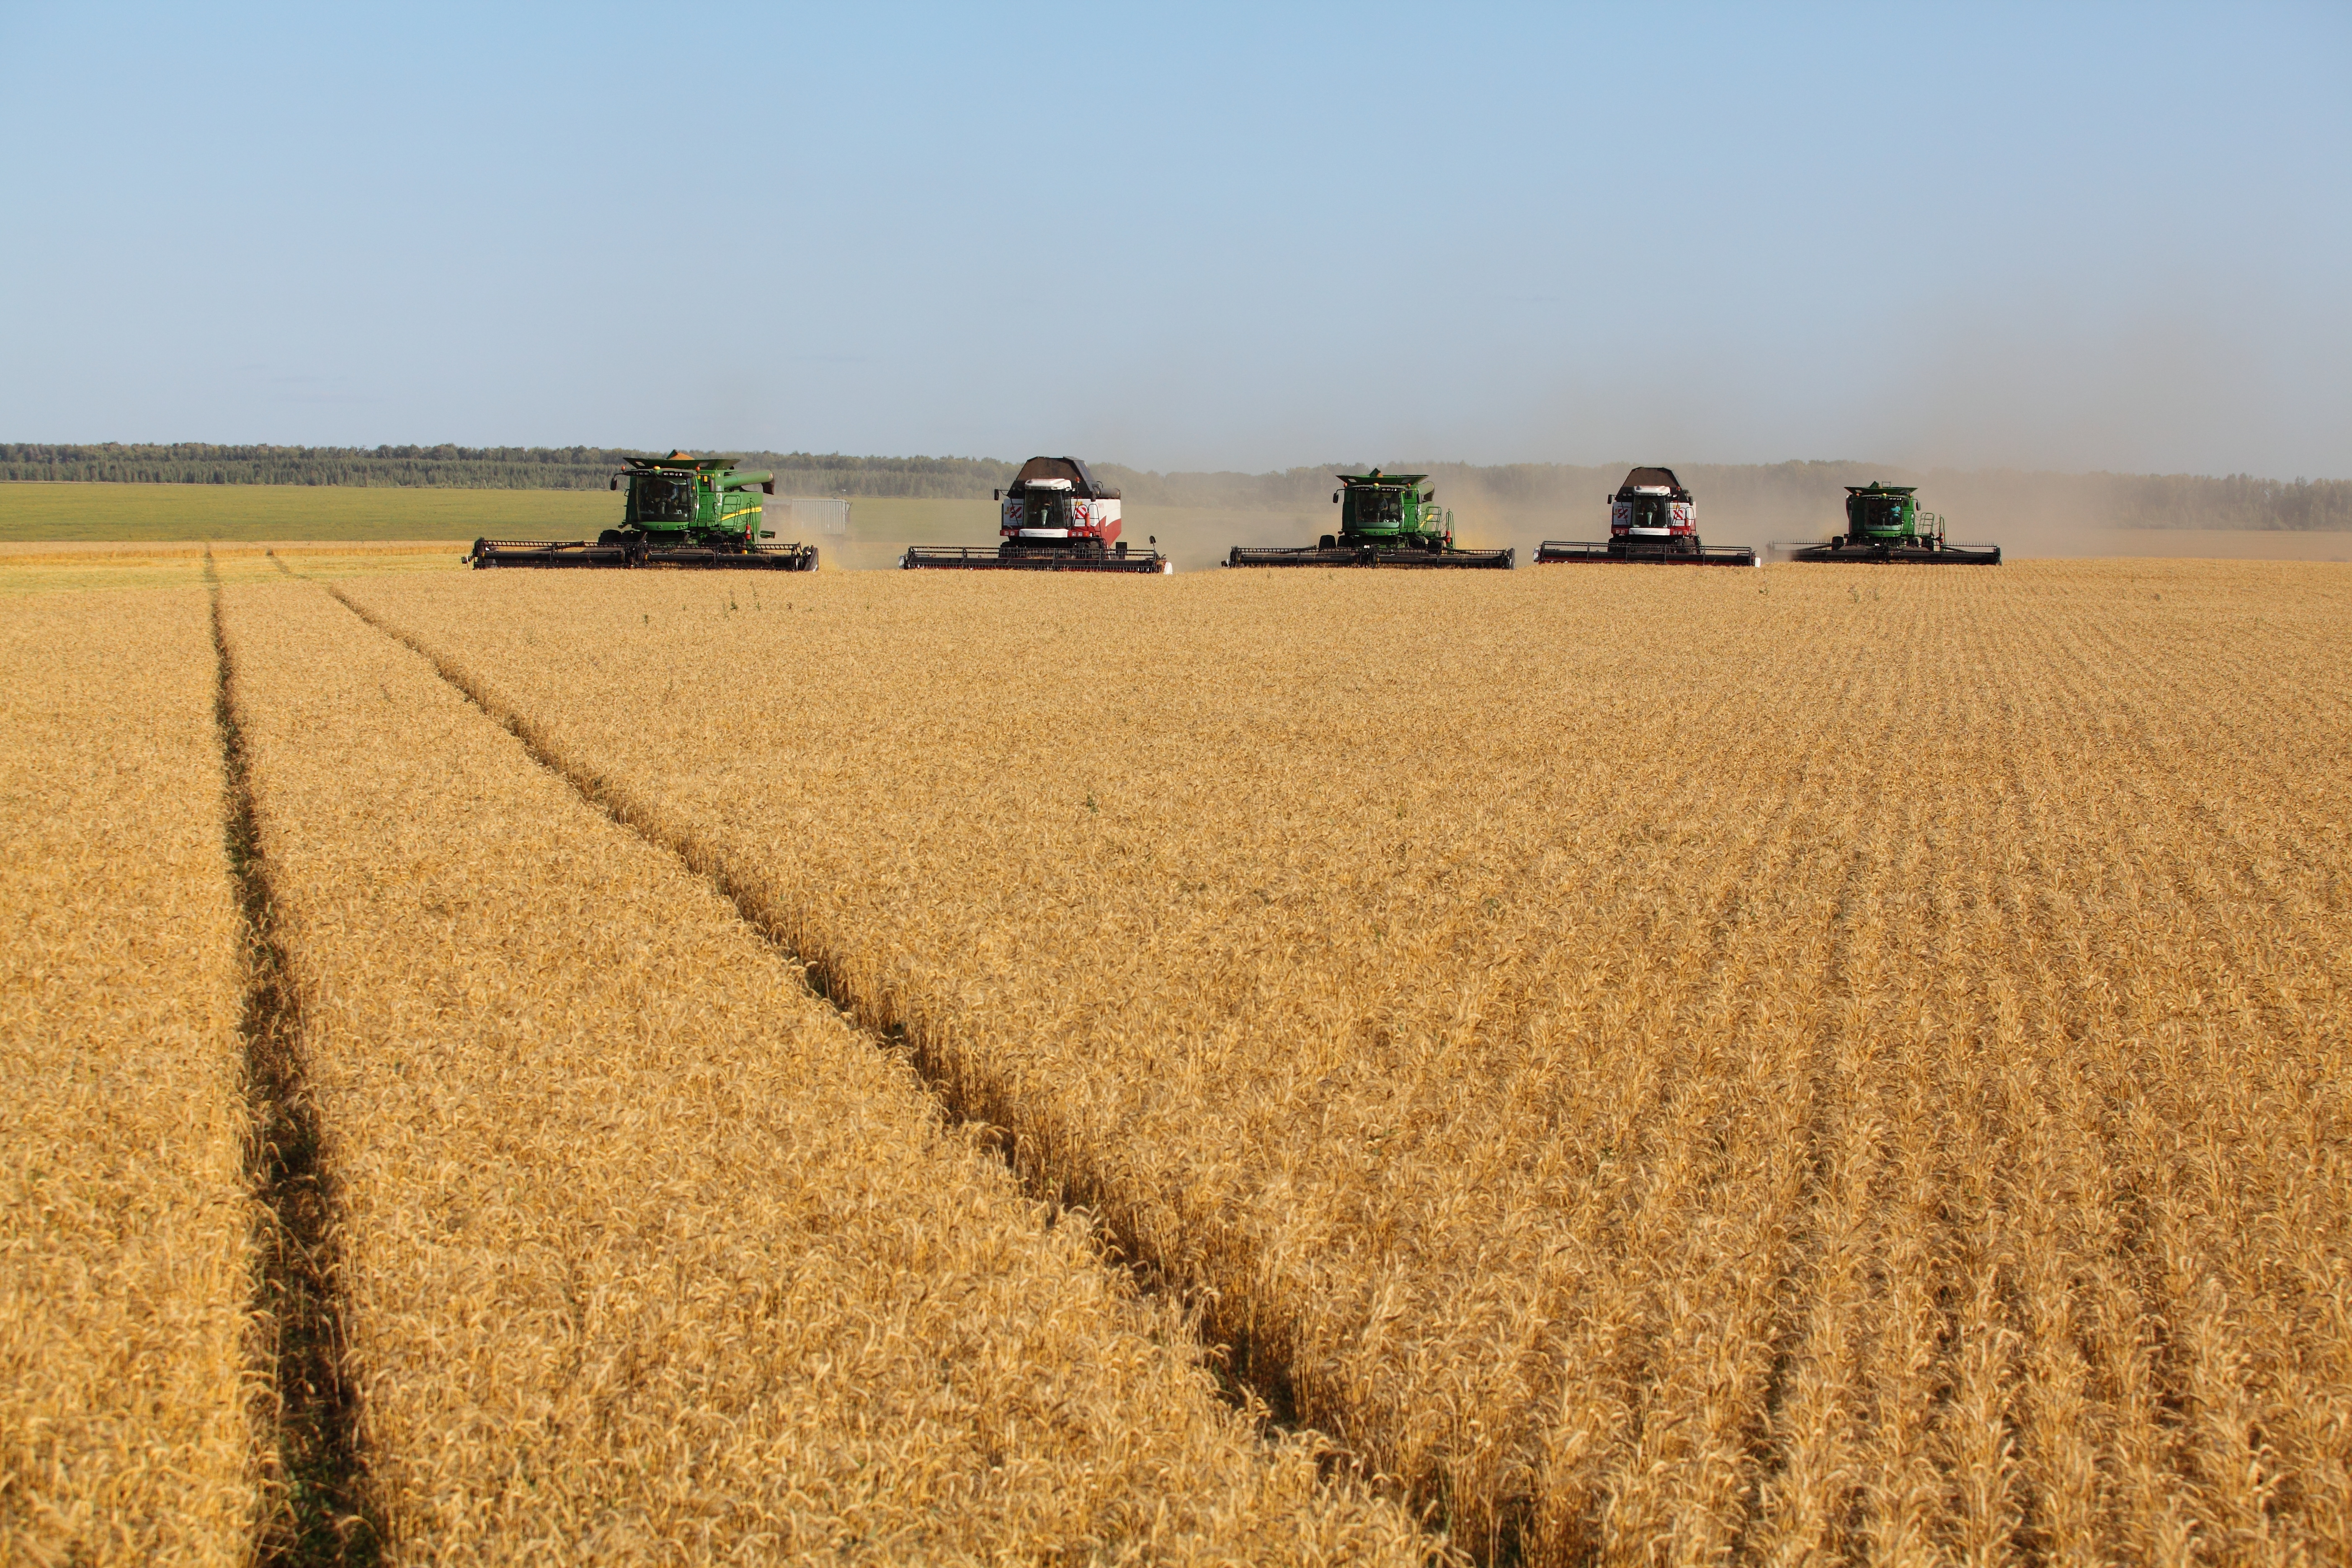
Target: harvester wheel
(1328, 541)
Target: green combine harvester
(682, 511)
(1884, 523)
(1385, 520)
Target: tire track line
(320, 1514)
(1254, 1376)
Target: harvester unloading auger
(1385, 520)
(1651, 518)
(1056, 517)
(1884, 523)
(682, 511)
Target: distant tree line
(2239, 501)
(1795, 489)
(478, 468)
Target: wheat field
(646, 1253)
(1820, 1065)
(128, 1406)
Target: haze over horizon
(1224, 238)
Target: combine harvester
(1651, 518)
(1385, 520)
(1884, 523)
(1056, 518)
(683, 511)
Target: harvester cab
(1055, 503)
(1883, 523)
(1055, 516)
(1652, 517)
(681, 510)
(1652, 506)
(685, 499)
(1385, 520)
(1391, 509)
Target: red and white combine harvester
(1056, 518)
(1652, 519)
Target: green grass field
(33, 512)
(147, 514)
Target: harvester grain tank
(1385, 520)
(1652, 519)
(1055, 516)
(682, 511)
(1883, 523)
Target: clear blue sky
(2073, 236)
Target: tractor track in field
(1252, 1378)
(319, 1512)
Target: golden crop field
(1807, 1062)
(127, 1267)
(1822, 1064)
(43, 569)
(644, 1253)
